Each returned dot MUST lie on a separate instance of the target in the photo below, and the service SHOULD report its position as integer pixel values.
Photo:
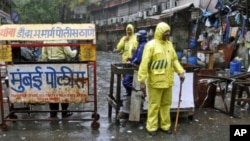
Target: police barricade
(32, 82)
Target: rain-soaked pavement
(206, 125)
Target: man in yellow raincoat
(127, 44)
(58, 54)
(159, 62)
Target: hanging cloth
(227, 30)
(241, 32)
(219, 5)
(243, 25)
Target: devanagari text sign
(40, 32)
(48, 83)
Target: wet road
(207, 124)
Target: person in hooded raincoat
(136, 59)
(159, 62)
(127, 44)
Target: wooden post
(211, 58)
(211, 61)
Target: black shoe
(167, 131)
(152, 133)
(66, 114)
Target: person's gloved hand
(182, 77)
(126, 38)
(128, 60)
(143, 87)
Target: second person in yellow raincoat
(159, 62)
(128, 43)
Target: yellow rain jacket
(128, 46)
(159, 61)
(57, 52)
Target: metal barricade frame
(87, 56)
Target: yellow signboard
(40, 32)
(87, 52)
(5, 53)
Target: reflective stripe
(153, 64)
(165, 65)
(161, 64)
(156, 65)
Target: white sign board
(187, 95)
(48, 83)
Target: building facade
(112, 16)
